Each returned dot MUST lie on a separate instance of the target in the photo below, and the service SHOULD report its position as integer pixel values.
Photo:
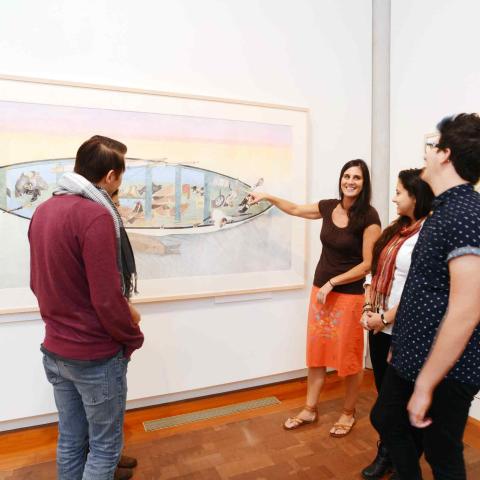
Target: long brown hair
(423, 195)
(359, 209)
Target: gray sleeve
(461, 251)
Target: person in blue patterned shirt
(434, 370)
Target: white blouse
(402, 265)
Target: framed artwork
(191, 163)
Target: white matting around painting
(192, 161)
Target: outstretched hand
(256, 197)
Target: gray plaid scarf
(74, 184)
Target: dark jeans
(442, 440)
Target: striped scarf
(383, 279)
(74, 184)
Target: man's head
(456, 150)
(101, 160)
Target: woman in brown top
(335, 337)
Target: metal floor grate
(177, 420)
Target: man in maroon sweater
(90, 329)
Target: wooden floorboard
(246, 446)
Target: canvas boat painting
(156, 198)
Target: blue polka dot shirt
(452, 230)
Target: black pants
(379, 345)
(442, 440)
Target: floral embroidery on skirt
(335, 337)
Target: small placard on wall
(243, 298)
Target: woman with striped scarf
(383, 288)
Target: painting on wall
(191, 164)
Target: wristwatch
(382, 317)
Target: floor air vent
(177, 420)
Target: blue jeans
(90, 399)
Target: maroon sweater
(75, 278)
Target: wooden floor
(246, 446)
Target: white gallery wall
(435, 72)
(308, 53)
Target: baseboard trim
(167, 398)
(191, 394)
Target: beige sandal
(345, 427)
(300, 422)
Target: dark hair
(461, 134)
(423, 195)
(97, 156)
(358, 211)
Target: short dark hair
(97, 156)
(358, 211)
(461, 134)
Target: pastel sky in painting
(51, 119)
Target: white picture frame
(44, 120)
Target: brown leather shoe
(123, 474)
(127, 462)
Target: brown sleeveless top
(341, 248)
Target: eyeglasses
(429, 145)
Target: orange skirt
(334, 335)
